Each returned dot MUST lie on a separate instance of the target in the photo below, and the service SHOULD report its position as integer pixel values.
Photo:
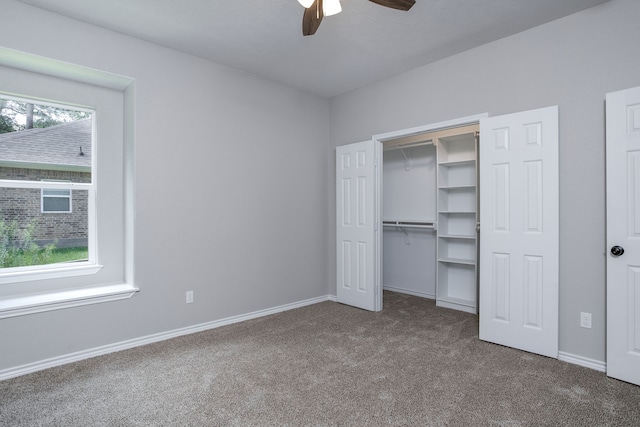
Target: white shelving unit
(457, 212)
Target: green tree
(7, 120)
(13, 113)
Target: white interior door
(358, 270)
(519, 230)
(623, 235)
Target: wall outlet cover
(585, 320)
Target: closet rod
(409, 145)
(409, 224)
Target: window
(63, 193)
(40, 142)
(56, 201)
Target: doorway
(519, 268)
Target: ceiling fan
(315, 10)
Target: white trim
(129, 181)
(52, 67)
(378, 140)
(46, 271)
(582, 361)
(409, 292)
(431, 127)
(150, 339)
(38, 303)
(84, 91)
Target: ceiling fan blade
(396, 4)
(312, 18)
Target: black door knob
(617, 250)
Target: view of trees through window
(19, 115)
(42, 149)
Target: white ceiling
(363, 44)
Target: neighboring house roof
(56, 147)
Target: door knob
(617, 250)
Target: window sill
(37, 303)
(52, 271)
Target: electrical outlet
(585, 320)
(189, 297)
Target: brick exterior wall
(24, 205)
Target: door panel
(357, 248)
(623, 230)
(519, 230)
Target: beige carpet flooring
(413, 364)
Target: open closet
(408, 208)
(430, 216)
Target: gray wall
(260, 238)
(231, 189)
(571, 62)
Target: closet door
(519, 230)
(357, 237)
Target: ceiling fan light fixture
(312, 16)
(331, 7)
(306, 3)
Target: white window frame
(43, 196)
(61, 270)
(108, 273)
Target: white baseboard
(409, 292)
(582, 361)
(149, 339)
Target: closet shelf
(410, 224)
(457, 236)
(457, 240)
(457, 163)
(456, 187)
(450, 260)
(457, 212)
